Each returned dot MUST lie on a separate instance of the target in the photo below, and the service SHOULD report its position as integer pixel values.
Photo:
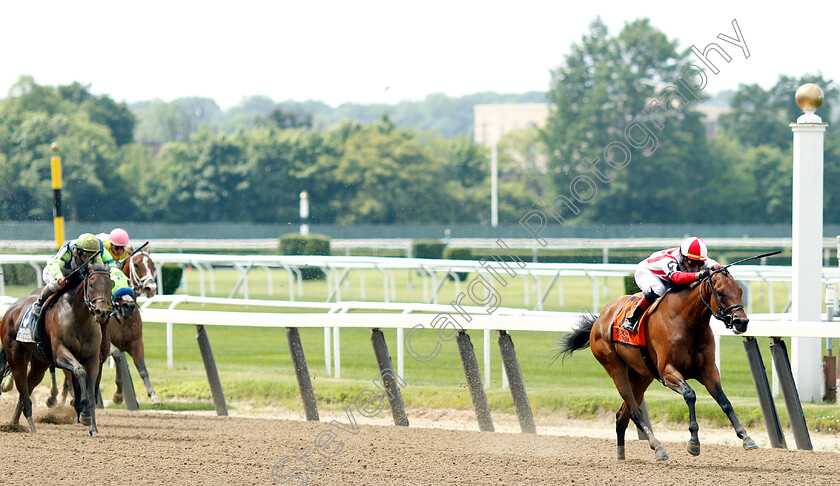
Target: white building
(499, 119)
(503, 118)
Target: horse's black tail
(577, 339)
(4, 364)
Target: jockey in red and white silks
(666, 268)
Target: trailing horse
(127, 334)
(676, 343)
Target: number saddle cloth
(31, 331)
(623, 336)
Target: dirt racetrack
(154, 447)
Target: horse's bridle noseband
(728, 313)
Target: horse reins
(732, 309)
(728, 313)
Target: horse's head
(97, 291)
(725, 300)
(141, 272)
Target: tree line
(184, 162)
(742, 175)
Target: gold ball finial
(54, 146)
(809, 97)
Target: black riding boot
(632, 323)
(39, 304)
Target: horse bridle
(138, 283)
(92, 303)
(728, 313)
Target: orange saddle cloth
(623, 336)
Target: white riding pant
(649, 282)
(49, 280)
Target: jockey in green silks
(72, 255)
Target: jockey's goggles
(118, 247)
(694, 263)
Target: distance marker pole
(304, 213)
(58, 217)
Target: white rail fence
(405, 316)
(404, 245)
(539, 278)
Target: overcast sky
(376, 51)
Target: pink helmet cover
(119, 236)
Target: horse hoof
(8, 383)
(750, 444)
(620, 453)
(94, 433)
(51, 401)
(661, 454)
(118, 398)
(693, 449)
(84, 419)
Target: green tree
(211, 180)
(831, 175)
(32, 118)
(606, 83)
(381, 174)
(289, 119)
(761, 117)
(160, 122)
(275, 171)
(603, 85)
(103, 110)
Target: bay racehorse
(680, 345)
(73, 341)
(126, 333)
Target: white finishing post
(808, 139)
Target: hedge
(630, 286)
(458, 254)
(19, 274)
(297, 244)
(172, 274)
(427, 249)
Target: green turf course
(256, 370)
